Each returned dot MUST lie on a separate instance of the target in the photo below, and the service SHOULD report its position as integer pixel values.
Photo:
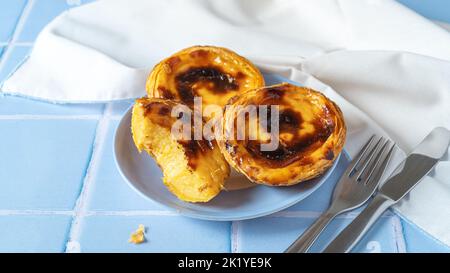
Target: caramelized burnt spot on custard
(292, 144)
(273, 94)
(213, 73)
(193, 148)
(160, 113)
(309, 136)
(165, 93)
(210, 77)
(199, 54)
(171, 63)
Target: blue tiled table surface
(59, 183)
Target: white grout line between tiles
(316, 214)
(35, 212)
(18, 30)
(234, 240)
(113, 117)
(88, 213)
(398, 234)
(132, 213)
(49, 117)
(80, 209)
(295, 214)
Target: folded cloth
(387, 67)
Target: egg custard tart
(215, 74)
(310, 135)
(194, 170)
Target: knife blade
(402, 180)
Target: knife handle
(305, 241)
(351, 235)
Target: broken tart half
(311, 134)
(194, 170)
(215, 74)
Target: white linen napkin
(387, 67)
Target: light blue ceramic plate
(143, 174)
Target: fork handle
(305, 241)
(351, 235)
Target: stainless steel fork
(356, 186)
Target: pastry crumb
(138, 237)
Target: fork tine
(359, 156)
(370, 165)
(380, 167)
(367, 159)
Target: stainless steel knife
(405, 176)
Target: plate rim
(200, 216)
